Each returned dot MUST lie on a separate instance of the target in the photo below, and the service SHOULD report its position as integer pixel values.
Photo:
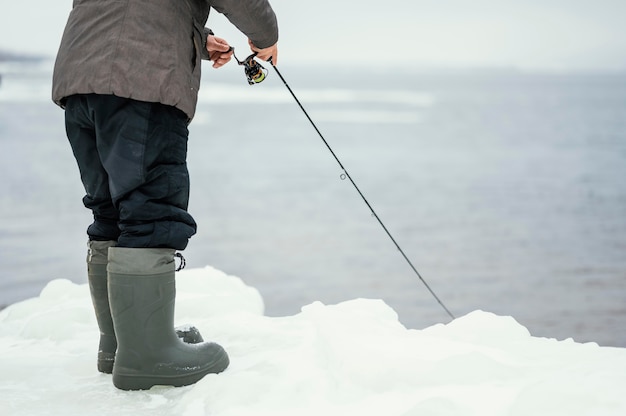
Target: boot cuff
(141, 261)
(99, 251)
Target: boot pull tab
(182, 264)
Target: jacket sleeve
(254, 18)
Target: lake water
(506, 190)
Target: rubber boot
(97, 260)
(142, 294)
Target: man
(127, 74)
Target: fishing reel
(255, 72)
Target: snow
(350, 358)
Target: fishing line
(256, 73)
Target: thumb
(223, 46)
(218, 44)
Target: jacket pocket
(196, 58)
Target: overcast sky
(534, 34)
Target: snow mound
(350, 358)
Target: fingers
(266, 53)
(220, 58)
(219, 51)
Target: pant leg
(143, 149)
(81, 133)
(151, 190)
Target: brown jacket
(148, 50)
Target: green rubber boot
(97, 259)
(142, 294)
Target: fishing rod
(256, 73)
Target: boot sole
(130, 381)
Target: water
(506, 190)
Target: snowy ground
(353, 358)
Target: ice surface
(350, 358)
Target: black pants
(132, 161)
